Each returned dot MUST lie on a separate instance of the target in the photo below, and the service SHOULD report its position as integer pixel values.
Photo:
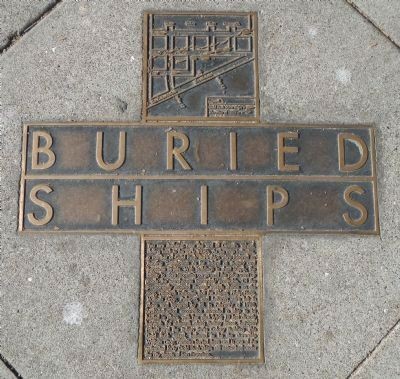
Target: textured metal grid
(201, 300)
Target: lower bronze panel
(201, 300)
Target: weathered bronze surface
(205, 194)
(200, 65)
(136, 178)
(201, 300)
(204, 181)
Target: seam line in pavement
(373, 352)
(372, 22)
(10, 366)
(17, 36)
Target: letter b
(37, 150)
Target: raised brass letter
(43, 204)
(282, 149)
(204, 205)
(121, 152)
(135, 203)
(271, 204)
(176, 152)
(233, 150)
(37, 149)
(355, 204)
(362, 147)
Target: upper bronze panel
(200, 66)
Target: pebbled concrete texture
(16, 15)
(69, 303)
(384, 13)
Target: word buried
(175, 151)
(136, 177)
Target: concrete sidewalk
(69, 303)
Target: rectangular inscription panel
(93, 149)
(102, 177)
(200, 65)
(201, 299)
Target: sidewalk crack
(372, 22)
(373, 351)
(10, 366)
(17, 36)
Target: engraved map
(201, 300)
(200, 66)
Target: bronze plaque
(142, 178)
(201, 180)
(200, 66)
(201, 299)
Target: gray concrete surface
(69, 303)
(15, 16)
(5, 373)
(384, 361)
(384, 13)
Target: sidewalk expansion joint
(10, 366)
(18, 35)
(372, 22)
(371, 354)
